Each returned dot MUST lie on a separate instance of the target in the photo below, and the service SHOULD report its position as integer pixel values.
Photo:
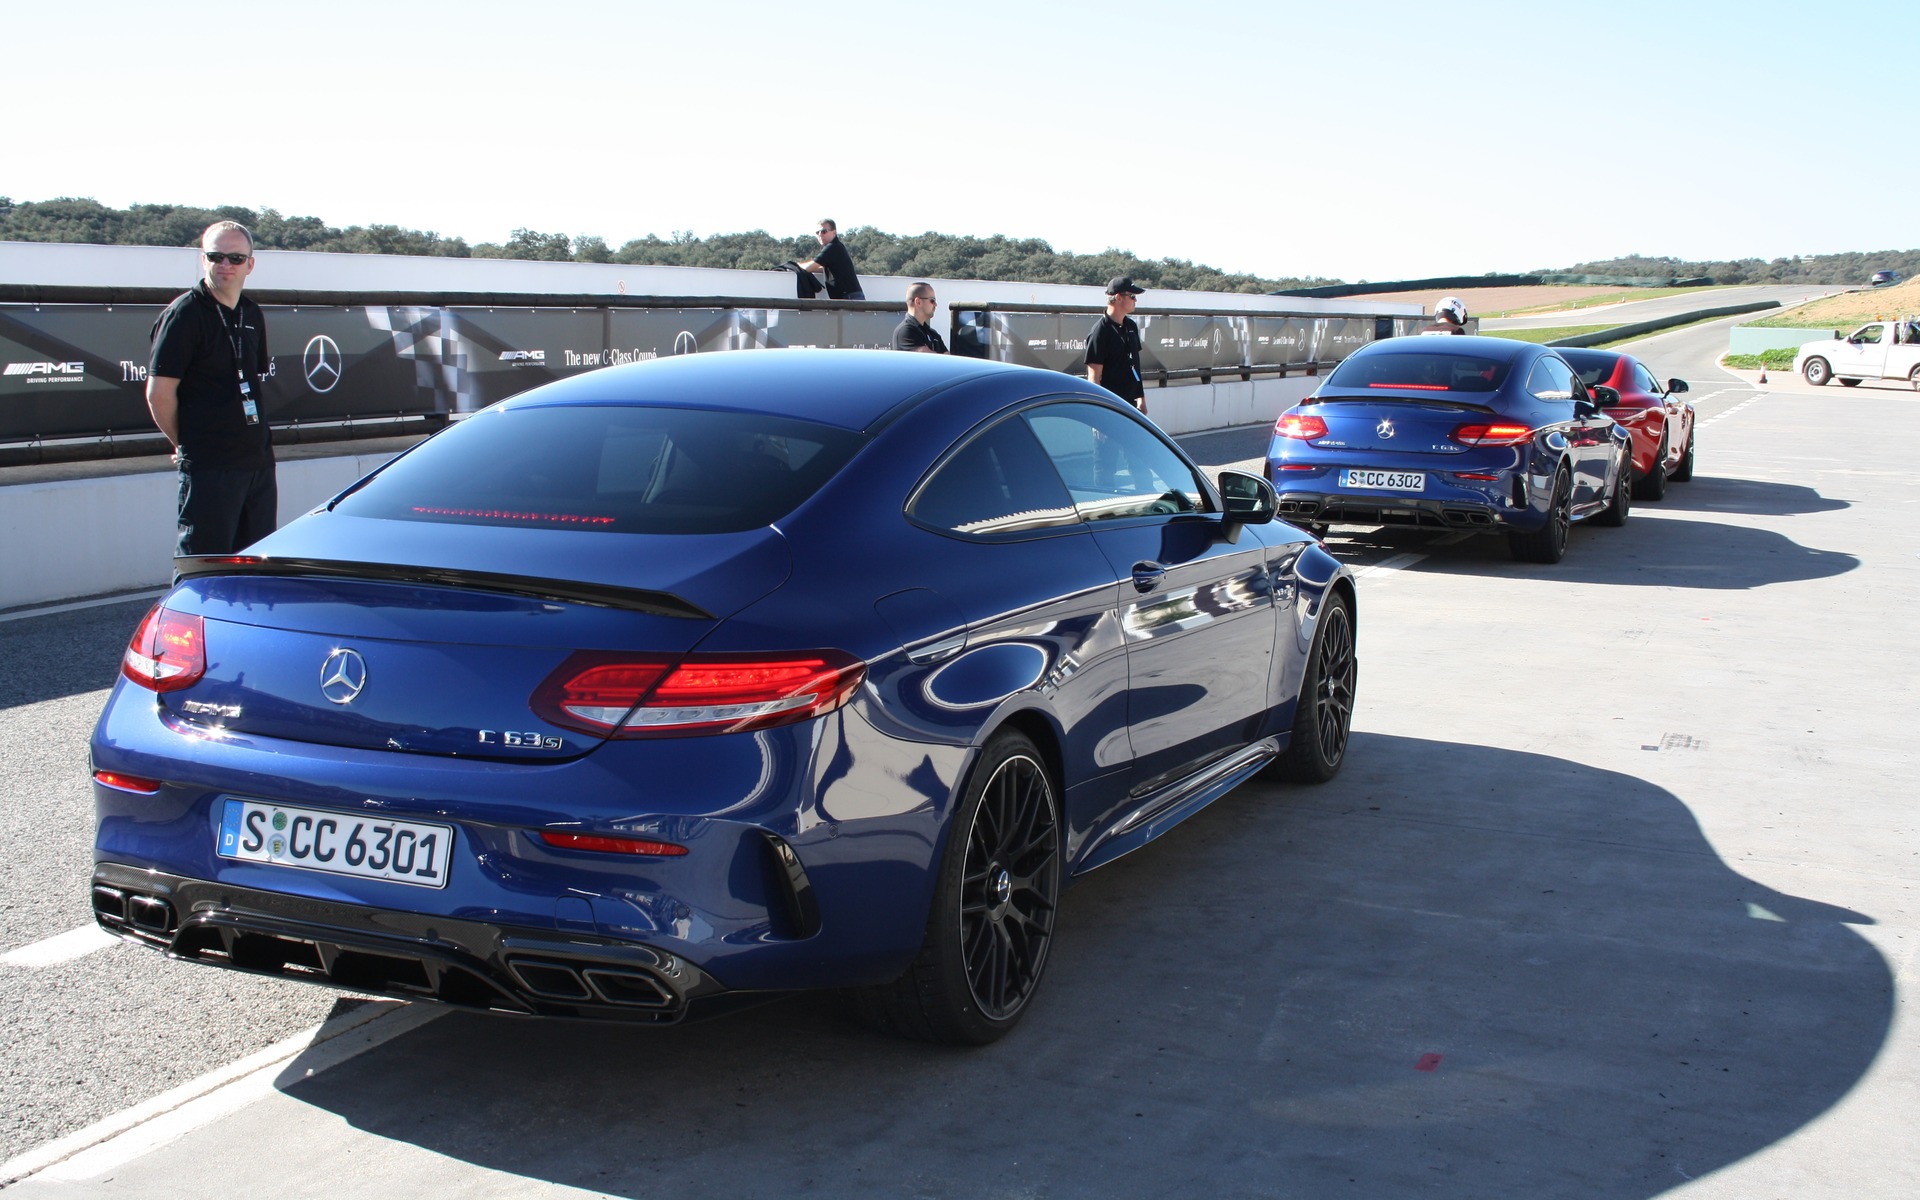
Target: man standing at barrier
(1113, 345)
(208, 363)
(834, 261)
(914, 332)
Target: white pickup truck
(1877, 350)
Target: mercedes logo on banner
(343, 676)
(685, 343)
(320, 362)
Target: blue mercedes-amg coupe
(1476, 433)
(690, 681)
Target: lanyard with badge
(237, 335)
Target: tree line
(928, 255)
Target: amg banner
(77, 372)
(1179, 344)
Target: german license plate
(1385, 481)
(314, 839)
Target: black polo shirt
(911, 335)
(193, 341)
(838, 264)
(1115, 349)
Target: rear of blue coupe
(679, 684)
(465, 733)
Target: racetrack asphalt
(1616, 897)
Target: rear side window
(1550, 380)
(1000, 482)
(1114, 466)
(1412, 371)
(611, 469)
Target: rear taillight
(636, 696)
(168, 652)
(127, 783)
(609, 844)
(1493, 435)
(1304, 427)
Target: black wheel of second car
(1620, 503)
(1323, 717)
(994, 901)
(1548, 544)
(1653, 485)
(1684, 472)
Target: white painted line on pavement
(61, 947)
(1383, 570)
(47, 610)
(1754, 399)
(125, 1136)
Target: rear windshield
(1591, 367)
(1414, 371)
(609, 469)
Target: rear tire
(1684, 472)
(1913, 377)
(994, 900)
(1653, 485)
(1323, 716)
(1620, 503)
(1817, 371)
(1548, 544)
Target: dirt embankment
(1483, 301)
(1850, 309)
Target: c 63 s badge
(534, 741)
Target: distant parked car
(1883, 278)
(1658, 419)
(1477, 433)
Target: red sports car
(1659, 418)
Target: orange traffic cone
(1763, 372)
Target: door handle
(1147, 575)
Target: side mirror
(1676, 385)
(1836, 335)
(1249, 499)
(1605, 396)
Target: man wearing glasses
(208, 363)
(834, 261)
(1113, 345)
(914, 333)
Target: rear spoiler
(660, 604)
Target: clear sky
(1357, 140)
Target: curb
(1639, 327)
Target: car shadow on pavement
(1455, 970)
(1650, 551)
(1757, 497)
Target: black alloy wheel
(1548, 544)
(1684, 472)
(1323, 717)
(993, 907)
(1817, 371)
(1620, 502)
(1653, 485)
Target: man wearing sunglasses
(204, 378)
(843, 283)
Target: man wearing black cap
(1113, 346)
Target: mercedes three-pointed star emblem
(343, 676)
(320, 362)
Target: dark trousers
(224, 509)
